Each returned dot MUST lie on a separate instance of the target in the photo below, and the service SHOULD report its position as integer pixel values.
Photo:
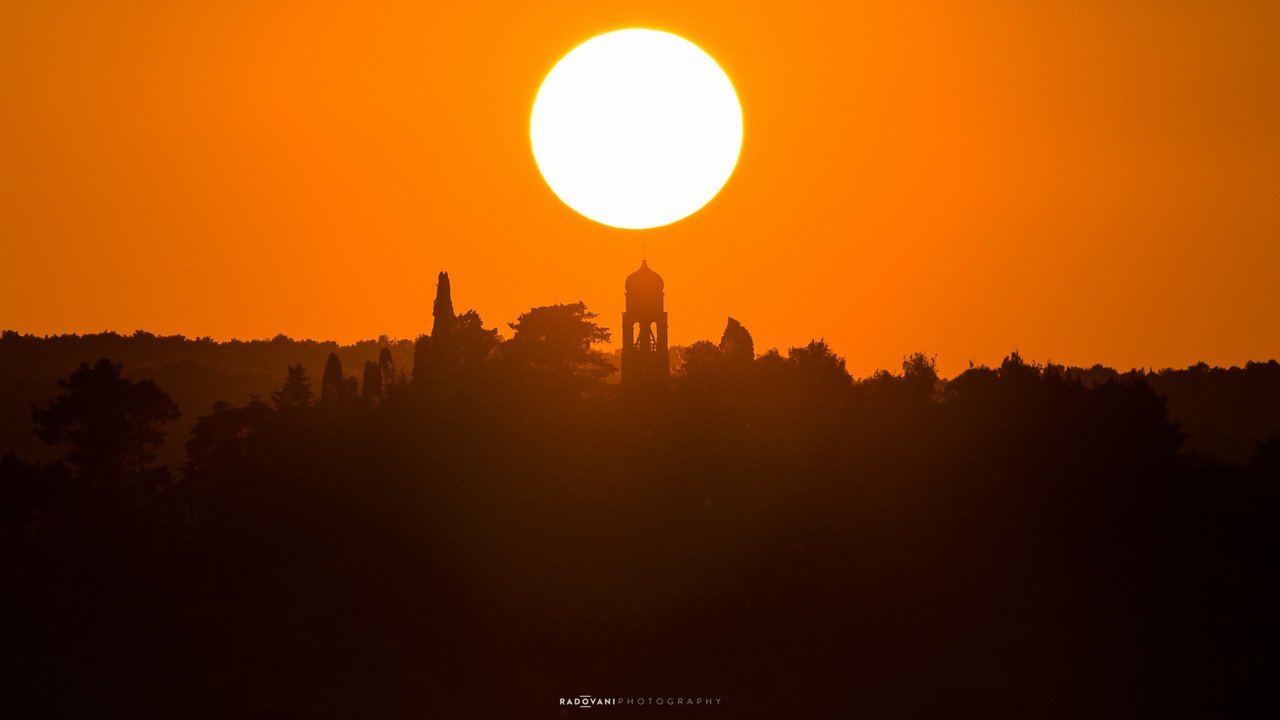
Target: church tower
(644, 331)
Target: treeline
(196, 372)
(499, 525)
(1225, 412)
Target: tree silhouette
(818, 368)
(333, 386)
(458, 344)
(736, 343)
(920, 376)
(701, 361)
(371, 385)
(386, 367)
(421, 360)
(217, 432)
(472, 341)
(110, 424)
(296, 393)
(554, 344)
(442, 308)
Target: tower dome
(644, 290)
(644, 280)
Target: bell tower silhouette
(645, 362)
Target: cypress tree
(332, 385)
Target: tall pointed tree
(431, 353)
(332, 385)
(442, 309)
(736, 343)
(455, 341)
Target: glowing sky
(1082, 181)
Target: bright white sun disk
(636, 128)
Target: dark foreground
(1013, 543)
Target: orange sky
(1082, 181)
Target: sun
(636, 128)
